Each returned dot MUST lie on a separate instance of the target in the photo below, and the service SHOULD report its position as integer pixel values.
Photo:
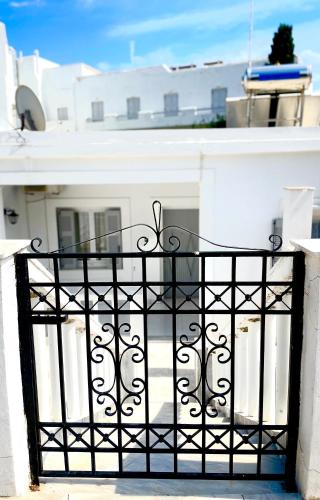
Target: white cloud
(307, 43)
(163, 55)
(25, 3)
(219, 17)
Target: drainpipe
(2, 219)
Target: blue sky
(99, 32)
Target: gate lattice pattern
(158, 367)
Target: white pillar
(71, 370)
(41, 352)
(243, 397)
(54, 387)
(238, 374)
(308, 456)
(14, 460)
(297, 214)
(282, 368)
(269, 397)
(253, 362)
(206, 211)
(206, 220)
(82, 374)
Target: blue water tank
(277, 78)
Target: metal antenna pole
(251, 20)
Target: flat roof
(157, 143)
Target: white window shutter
(113, 220)
(66, 222)
(133, 107)
(218, 101)
(171, 104)
(100, 228)
(218, 98)
(97, 111)
(63, 114)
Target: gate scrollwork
(103, 351)
(202, 347)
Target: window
(171, 104)
(76, 225)
(62, 114)
(315, 228)
(218, 101)
(133, 108)
(97, 111)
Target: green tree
(282, 48)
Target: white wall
(58, 91)
(76, 86)
(150, 84)
(248, 193)
(14, 199)
(14, 460)
(7, 82)
(286, 115)
(308, 455)
(249, 169)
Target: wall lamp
(12, 215)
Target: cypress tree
(282, 48)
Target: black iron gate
(128, 375)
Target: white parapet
(14, 461)
(297, 214)
(308, 455)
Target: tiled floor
(161, 489)
(160, 408)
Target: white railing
(73, 333)
(151, 115)
(276, 360)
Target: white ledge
(310, 246)
(11, 247)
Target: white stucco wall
(14, 460)
(250, 169)
(14, 198)
(58, 91)
(308, 456)
(7, 81)
(31, 70)
(193, 86)
(235, 177)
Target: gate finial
(157, 209)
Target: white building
(225, 184)
(233, 178)
(79, 97)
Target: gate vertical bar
(203, 365)
(117, 366)
(89, 368)
(146, 364)
(262, 348)
(61, 363)
(233, 357)
(174, 365)
(28, 370)
(296, 338)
